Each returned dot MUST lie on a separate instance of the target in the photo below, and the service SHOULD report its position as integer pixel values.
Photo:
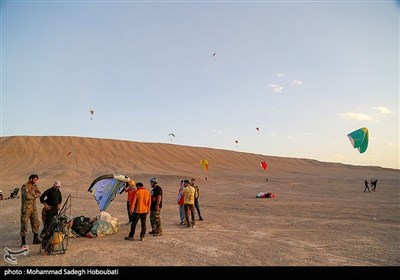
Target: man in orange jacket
(139, 208)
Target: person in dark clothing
(366, 185)
(155, 208)
(373, 183)
(51, 199)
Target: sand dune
(320, 217)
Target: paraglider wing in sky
(171, 135)
(359, 139)
(204, 166)
(91, 113)
(106, 187)
(263, 164)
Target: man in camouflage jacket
(29, 193)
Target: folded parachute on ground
(265, 195)
(105, 188)
(359, 139)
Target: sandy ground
(320, 216)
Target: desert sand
(320, 216)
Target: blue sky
(306, 73)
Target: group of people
(188, 200)
(373, 183)
(140, 203)
(51, 199)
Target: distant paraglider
(91, 114)
(237, 142)
(204, 166)
(214, 54)
(264, 166)
(258, 129)
(359, 139)
(171, 135)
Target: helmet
(153, 180)
(131, 182)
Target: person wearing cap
(51, 200)
(155, 208)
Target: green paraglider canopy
(359, 139)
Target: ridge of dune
(320, 216)
(91, 157)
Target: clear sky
(305, 73)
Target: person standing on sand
(180, 201)
(155, 208)
(196, 197)
(51, 199)
(29, 193)
(366, 185)
(140, 206)
(373, 183)
(188, 192)
(131, 190)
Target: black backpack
(81, 225)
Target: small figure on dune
(373, 183)
(366, 185)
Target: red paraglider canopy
(263, 164)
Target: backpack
(81, 225)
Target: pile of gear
(54, 235)
(265, 195)
(14, 194)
